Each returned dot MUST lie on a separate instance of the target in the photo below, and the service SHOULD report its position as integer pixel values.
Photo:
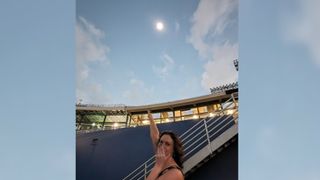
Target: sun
(159, 26)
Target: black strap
(168, 168)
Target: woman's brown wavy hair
(177, 148)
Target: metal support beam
(127, 119)
(208, 137)
(145, 170)
(104, 121)
(198, 112)
(174, 116)
(130, 117)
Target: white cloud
(89, 42)
(210, 19)
(209, 22)
(166, 68)
(137, 93)
(89, 49)
(220, 69)
(303, 27)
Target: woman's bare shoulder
(174, 174)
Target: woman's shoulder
(172, 173)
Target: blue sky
(123, 59)
(279, 84)
(37, 90)
(279, 90)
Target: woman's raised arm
(154, 132)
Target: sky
(279, 90)
(37, 90)
(278, 85)
(123, 59)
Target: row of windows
(101, 122)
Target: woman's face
(166, 143)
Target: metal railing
(194, 139)
(223, 88)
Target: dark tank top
(168, 168)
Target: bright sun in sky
(159, 26)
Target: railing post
(235, 114)
(145, 171)
(234, 100)
(208, 137)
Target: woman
(169, 154)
